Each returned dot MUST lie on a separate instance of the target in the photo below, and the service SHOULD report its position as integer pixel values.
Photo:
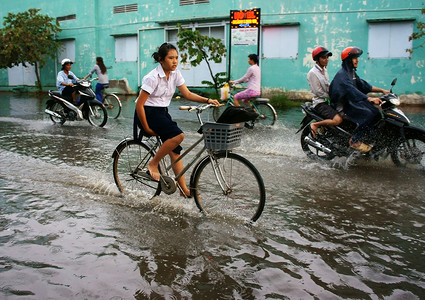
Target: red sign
(247, 18)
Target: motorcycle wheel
(96, 114)
(313, 152)
(59, 109)
(410, 153)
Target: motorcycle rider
(66, 80)
(318, 81)
(351, 91)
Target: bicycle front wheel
(130, 164)
(238, 190)
(267, 114)
(113, 105)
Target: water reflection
(326, 233)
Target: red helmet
(351, 52)
(320, 52)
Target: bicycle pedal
(168, 184)
(144, 174)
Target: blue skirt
(159, 120)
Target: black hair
(162, 52)
(101, 65)
(254, 58)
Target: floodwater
(328, 231)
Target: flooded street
(328, 231)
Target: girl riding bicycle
(253, 77)
(151, 114)
(102, 74)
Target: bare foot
(362, 147)
(313, 128)
(154, 172)
(186, 193)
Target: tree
(28, 38)
(419, 34)
(197, 48)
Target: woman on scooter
(349, 89)
(66, 79)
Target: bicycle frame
(231, 101)
(153, 146)
(215, 169)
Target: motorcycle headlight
(85, 84)
(395, 101)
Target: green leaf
(28, 38)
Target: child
(151, 113)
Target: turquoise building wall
(334, 24)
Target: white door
(21, 75)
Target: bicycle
(111, 102)
(266, 113)
(221, 182)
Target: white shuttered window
(390, 39)
(280, 42)
(126, 48)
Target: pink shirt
(253, 77)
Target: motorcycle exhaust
(317, 145)
(52, 113)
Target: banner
(244, 25)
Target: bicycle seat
(105, 87)
(262, 100)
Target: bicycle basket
(219, 136)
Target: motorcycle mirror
(393, 84)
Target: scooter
(395, 136)
(61, 109)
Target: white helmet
(66, 61)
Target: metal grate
(218, 136)
(68, 17)
(125, 8)
(190, 2)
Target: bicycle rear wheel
(237, 192)
(267, 114)
(130, 164)
(113, 105)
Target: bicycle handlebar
(198, 108)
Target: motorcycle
(395, 137)
(61, 109)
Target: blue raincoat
(349, 89)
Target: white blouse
(160, 89)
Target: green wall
(335, 24)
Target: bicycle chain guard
(168, 185)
